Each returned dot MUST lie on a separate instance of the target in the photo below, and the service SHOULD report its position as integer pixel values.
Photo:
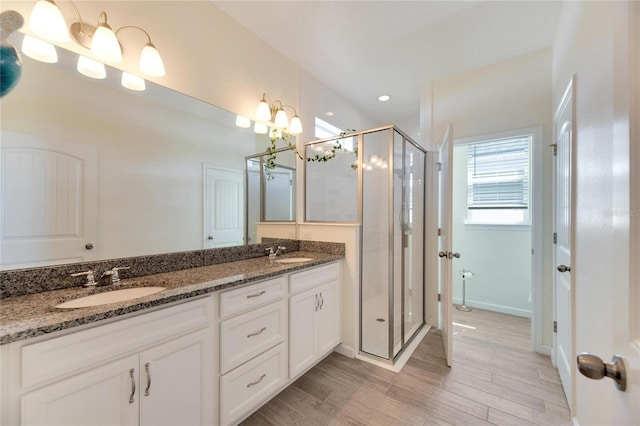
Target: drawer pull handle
(262, 330)
(249, 296)
(146, 368)
(257, 381)
(321, 301)
(133, 386)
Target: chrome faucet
(111, 276)
(274, 254)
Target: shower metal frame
(390, 359)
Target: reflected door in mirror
(223, 207)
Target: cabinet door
(302, 335)
(176, 381)
(328, 318)
(101, 396)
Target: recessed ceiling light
(384, 98)
(330, 113)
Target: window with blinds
(498, 181)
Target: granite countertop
(23, 317)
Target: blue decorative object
(10, 62)
(10, 69)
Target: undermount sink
(293, 259)
(109, 297)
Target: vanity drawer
(305, 280)
(249, 297)
(244, 388)
(249, 334)
(75, 351)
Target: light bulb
(47, 21)
(151, 62)
(260, 128)
(39, 50)
(281, 122)
(243, 122)
(295, 128)
(263, 112)
(105, 44)
(133, 82)
(91, 68)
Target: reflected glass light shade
(39, 50)
(281, 122)
(260, 128)
(263, 112)
(105, 44)
(133, 82)
(47, 21)
(151, 62)
(243, 122)
(91, 68)
(295, 128)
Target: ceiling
(362, 49)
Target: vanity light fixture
(47, 22)
(243, 122)
(275, 113)
(260, 128)
(133, 82)
(39, 50)
(91, 68)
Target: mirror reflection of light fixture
(276, 114)
(260, 128)
(47, 22)
(243, 122)
(91, 68)
(39, 50)
(132, 82)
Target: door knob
(88, 246)
(452, 255)
(593, 367)
(564, 268)
(209, 237)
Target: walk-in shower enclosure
(376, 178)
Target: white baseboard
(575, 422)
(496, 308)
(544, 350)
(345, 350)
(402, 359)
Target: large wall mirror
(91, 170)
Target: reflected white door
(48, 202)
(446, 240)
(564, 347)
(223, 207)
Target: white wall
(508, 95)
(499, 257)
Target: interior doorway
(497, 226)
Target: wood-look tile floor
(495, 379)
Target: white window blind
(498, 174)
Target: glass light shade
(263, 113)
(281, 122)
(47, 21)
(260, 128)
(39, 50)
(91, 68)
(133, 82)
(242, 121)
(295, 128)
(105, 44)
(151, 62)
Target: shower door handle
(449, 254)
(442, 254)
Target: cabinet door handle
(321, 301)
(249, 296)
(146, 368)
(262, 330)
(257, 381)
(133, 386)
(317, 302)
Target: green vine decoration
(270, 161)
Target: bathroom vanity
(209, 349)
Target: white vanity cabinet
(314, 310)
(151, 369)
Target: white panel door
(223, 207)
(106, 395)
(445, 200)
(176, 382)
(564, 348)
(48, 200)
